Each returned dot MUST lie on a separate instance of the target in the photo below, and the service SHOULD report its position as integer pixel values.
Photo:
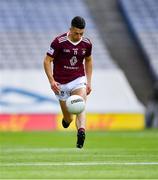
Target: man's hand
(48, 69)
(88, 89)
(55, 87)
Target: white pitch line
(76, 164)
(39, 150)
(49, 150)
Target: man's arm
(48, 70)
(88, 70)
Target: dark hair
(78, 22)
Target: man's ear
(70, 28)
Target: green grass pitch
(52, 155)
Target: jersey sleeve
(89, 50)
(53, 49)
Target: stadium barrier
(52, 122)
(28, 104)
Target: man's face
(76, 33)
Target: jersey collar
(74, 43)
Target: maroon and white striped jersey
(68, 57)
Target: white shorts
(66, 89)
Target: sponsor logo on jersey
(66, 50)
(72, 68)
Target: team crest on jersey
(83, 51)
(73, 60)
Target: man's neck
(71, 39)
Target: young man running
(71, 72)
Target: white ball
(75, 104)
